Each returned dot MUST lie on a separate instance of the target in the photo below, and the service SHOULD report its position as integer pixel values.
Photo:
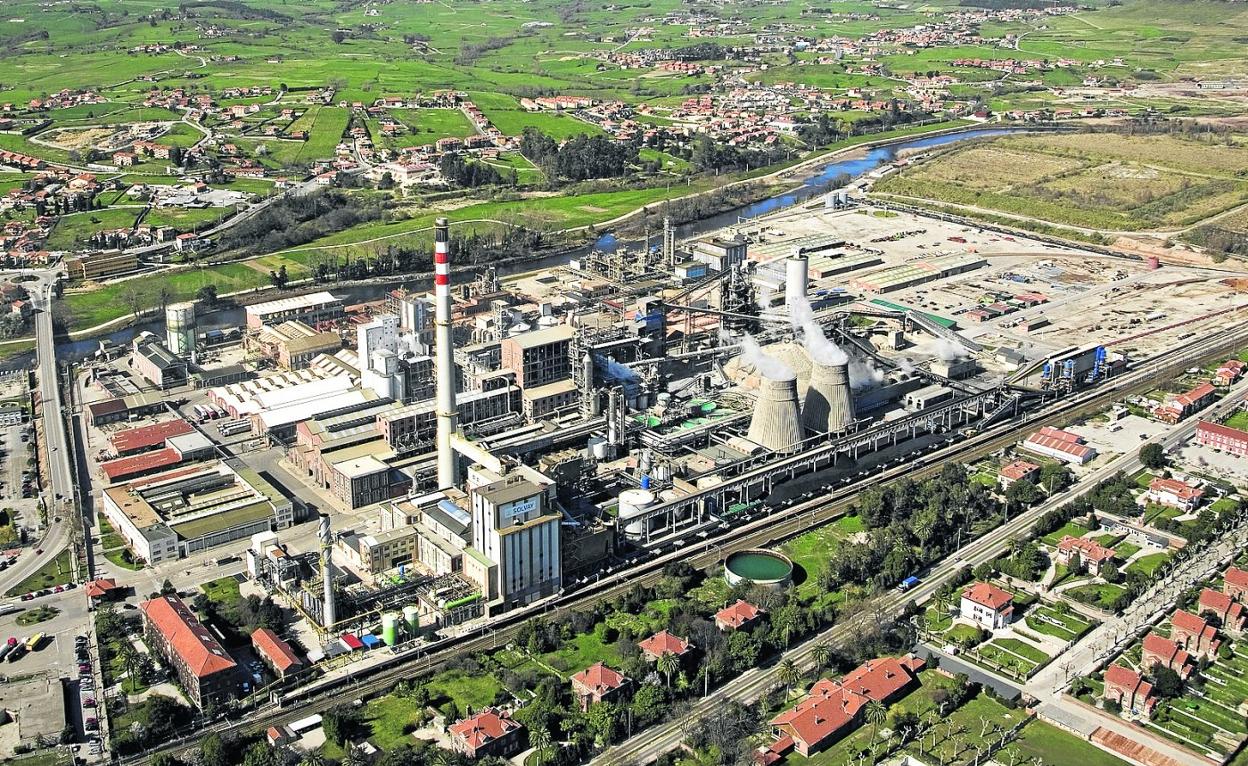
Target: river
(815, 181)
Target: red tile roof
(147, 437)
(186, 637)
(107, 407)
(738, 614)
(1189, 622)
(880, 679)
(599, 678)
(122, 468)
(484, 727)
(1089, 549)
(100, 588)
(1117, 675)
(275, 650)
(1164, 647)
(1236, 576)
(662, 643)
(1224, 431)
(989, 595)
(829, 708)
(1060, 441)
(1018, 469)
(1176, 488)
(1219, 602)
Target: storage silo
(180, 329)
(411, 618)
(633, 504)
(390, 628)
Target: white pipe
(444, 357)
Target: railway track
(782, 524)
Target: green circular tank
(761, 567)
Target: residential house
(1235, 583)
(1194, 634)
(987, 605)
(740, 615)
(1159, 650)
(1080, 551)
(276, 652)
(1130, 690)
(1185, 404)
(834, 708)
(1019, 470)
(489, 732)
(662, 643)
(1228, 611)
(1172, 493)
(1228, 372)
(598, 683)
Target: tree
(1153, 456)
(1109, 571)
(789, 674)
(1166, 682)
(1021, 494)
(875, 713)
(338, 36)
(821, 654)
(540, 740)
(667, 664)
(207, 295)
(338, 722)
(1054, 477)
(260, 754)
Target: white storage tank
(180, 329)
(411, 618)
(633, 504)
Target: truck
(908, 583)
(8, 647)
(9, 609)
(33, 642)
(16, 652)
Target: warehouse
(191, 508)
(908, 275)
(311, 308)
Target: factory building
(515, 535)
(719, 253)
(310, 309)
(539, 357)
(366, 480)
(291, 345)
(157, 364)
(192, 508)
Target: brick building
(208, 674)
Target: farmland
(1115, 182)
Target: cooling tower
(829, 400)
(776, 424)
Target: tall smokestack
(796, 280)
(444, 358)
(776, 424)
(829, 400)
(326, 534)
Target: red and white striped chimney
(444, 354)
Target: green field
(58, 571)
(1097, 184)
(1052, 745)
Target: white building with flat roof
(515, 555)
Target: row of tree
(579, 158)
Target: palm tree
(540, 739)
(789, 674)
(821, 654)
(130, 659)
(668, 664)
(875, 713)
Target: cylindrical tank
(764, 568)
(633, 503)
(796, 279)
(411, 618)
(180, 329)
(390, 628)
(1154, 262)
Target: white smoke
(864, 374)
(820, 349)
(944, 350)
(905, 365)
(767, 366)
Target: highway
(57, 534)
(355, 681)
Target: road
(753, 684)
(55, 443)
